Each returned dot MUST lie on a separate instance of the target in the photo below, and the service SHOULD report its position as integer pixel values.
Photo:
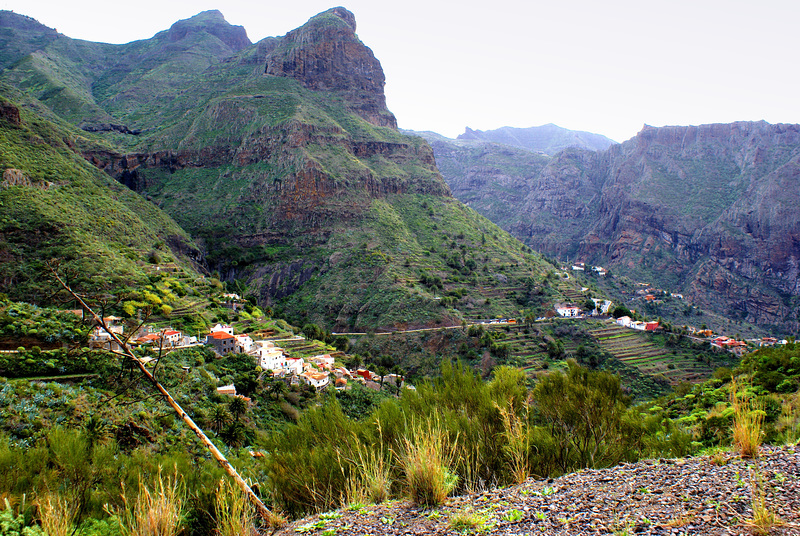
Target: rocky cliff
(325, 54)
(710, 210)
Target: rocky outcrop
(326, 55)
(10, 113)
(211, 22)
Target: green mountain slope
(56, 206)
(282, 161)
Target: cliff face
(326, 55)
(710, 210)
(722, 201)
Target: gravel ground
(691, 496)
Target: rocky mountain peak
(214, 23)
(326, 55)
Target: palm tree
(238, 407)
(220, 416)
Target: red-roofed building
(172, 337)
(221, 341)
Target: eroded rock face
(325, 54)
(10, 113)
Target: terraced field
(635, 349)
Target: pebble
(690, 496)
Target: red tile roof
(220, 335)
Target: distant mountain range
(710, 211)
(548, 139)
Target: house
(227, 390)
(340, 384)
(624, 321)
(364, 373)
(171, 337)
(294, 365)
(222, 341)
(244, 344)
(650, 326)
(150, 338)
(324, 361)
(232, 301)
(579, 267)
(318, 380)
(768, 341)
(602, 306)
(222, 327)
(568, 310)
(342, 372)
(271, 357)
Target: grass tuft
(425, 459)
(748, 421)
(235, 515)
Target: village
(317, 371)
(648, 294)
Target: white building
(271, 357)
(318, 380)
(624, 321)
(568, 310)
(602, 306)
(222, 327)
(244, 344)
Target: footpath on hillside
(691, 496)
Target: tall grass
(156, 512)
(748, 421)
(517, 440)
(235, 515)
(764, 519)
(426, 457)
(371, 479)
(57, 514)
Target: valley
(371, 323)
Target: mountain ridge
(284, 164)
(707, 210)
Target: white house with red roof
(318, 380)
(172, 337)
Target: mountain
(282, 162)
(548, 139)
(710, 210)
(57, 206)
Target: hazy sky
(602, 66)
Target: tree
(237, 407)
(219, 417)
(620, 311)
(585, 413)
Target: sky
(607, 67)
